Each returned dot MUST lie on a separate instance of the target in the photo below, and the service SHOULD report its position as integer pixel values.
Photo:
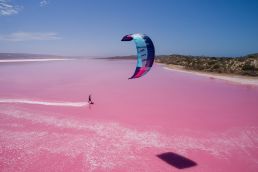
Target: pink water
(211, 122)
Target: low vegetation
(246, 65)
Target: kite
(145, 53)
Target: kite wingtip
(127, 38)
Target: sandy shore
(227, 77)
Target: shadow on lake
(177, 161)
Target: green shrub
(247, 67)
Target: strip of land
(242, 70)
(30, 60)
(246, 80)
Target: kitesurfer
(90, 101)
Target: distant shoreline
(242, 66)
(31, 60)
(239, 79)
(244, 71)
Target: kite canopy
(145, 53)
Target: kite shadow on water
(178, 161)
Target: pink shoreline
(230, 78)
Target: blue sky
(95, 27)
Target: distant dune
(132, 57)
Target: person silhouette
(90, 101)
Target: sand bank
(227, 77)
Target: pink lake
(164, 121)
